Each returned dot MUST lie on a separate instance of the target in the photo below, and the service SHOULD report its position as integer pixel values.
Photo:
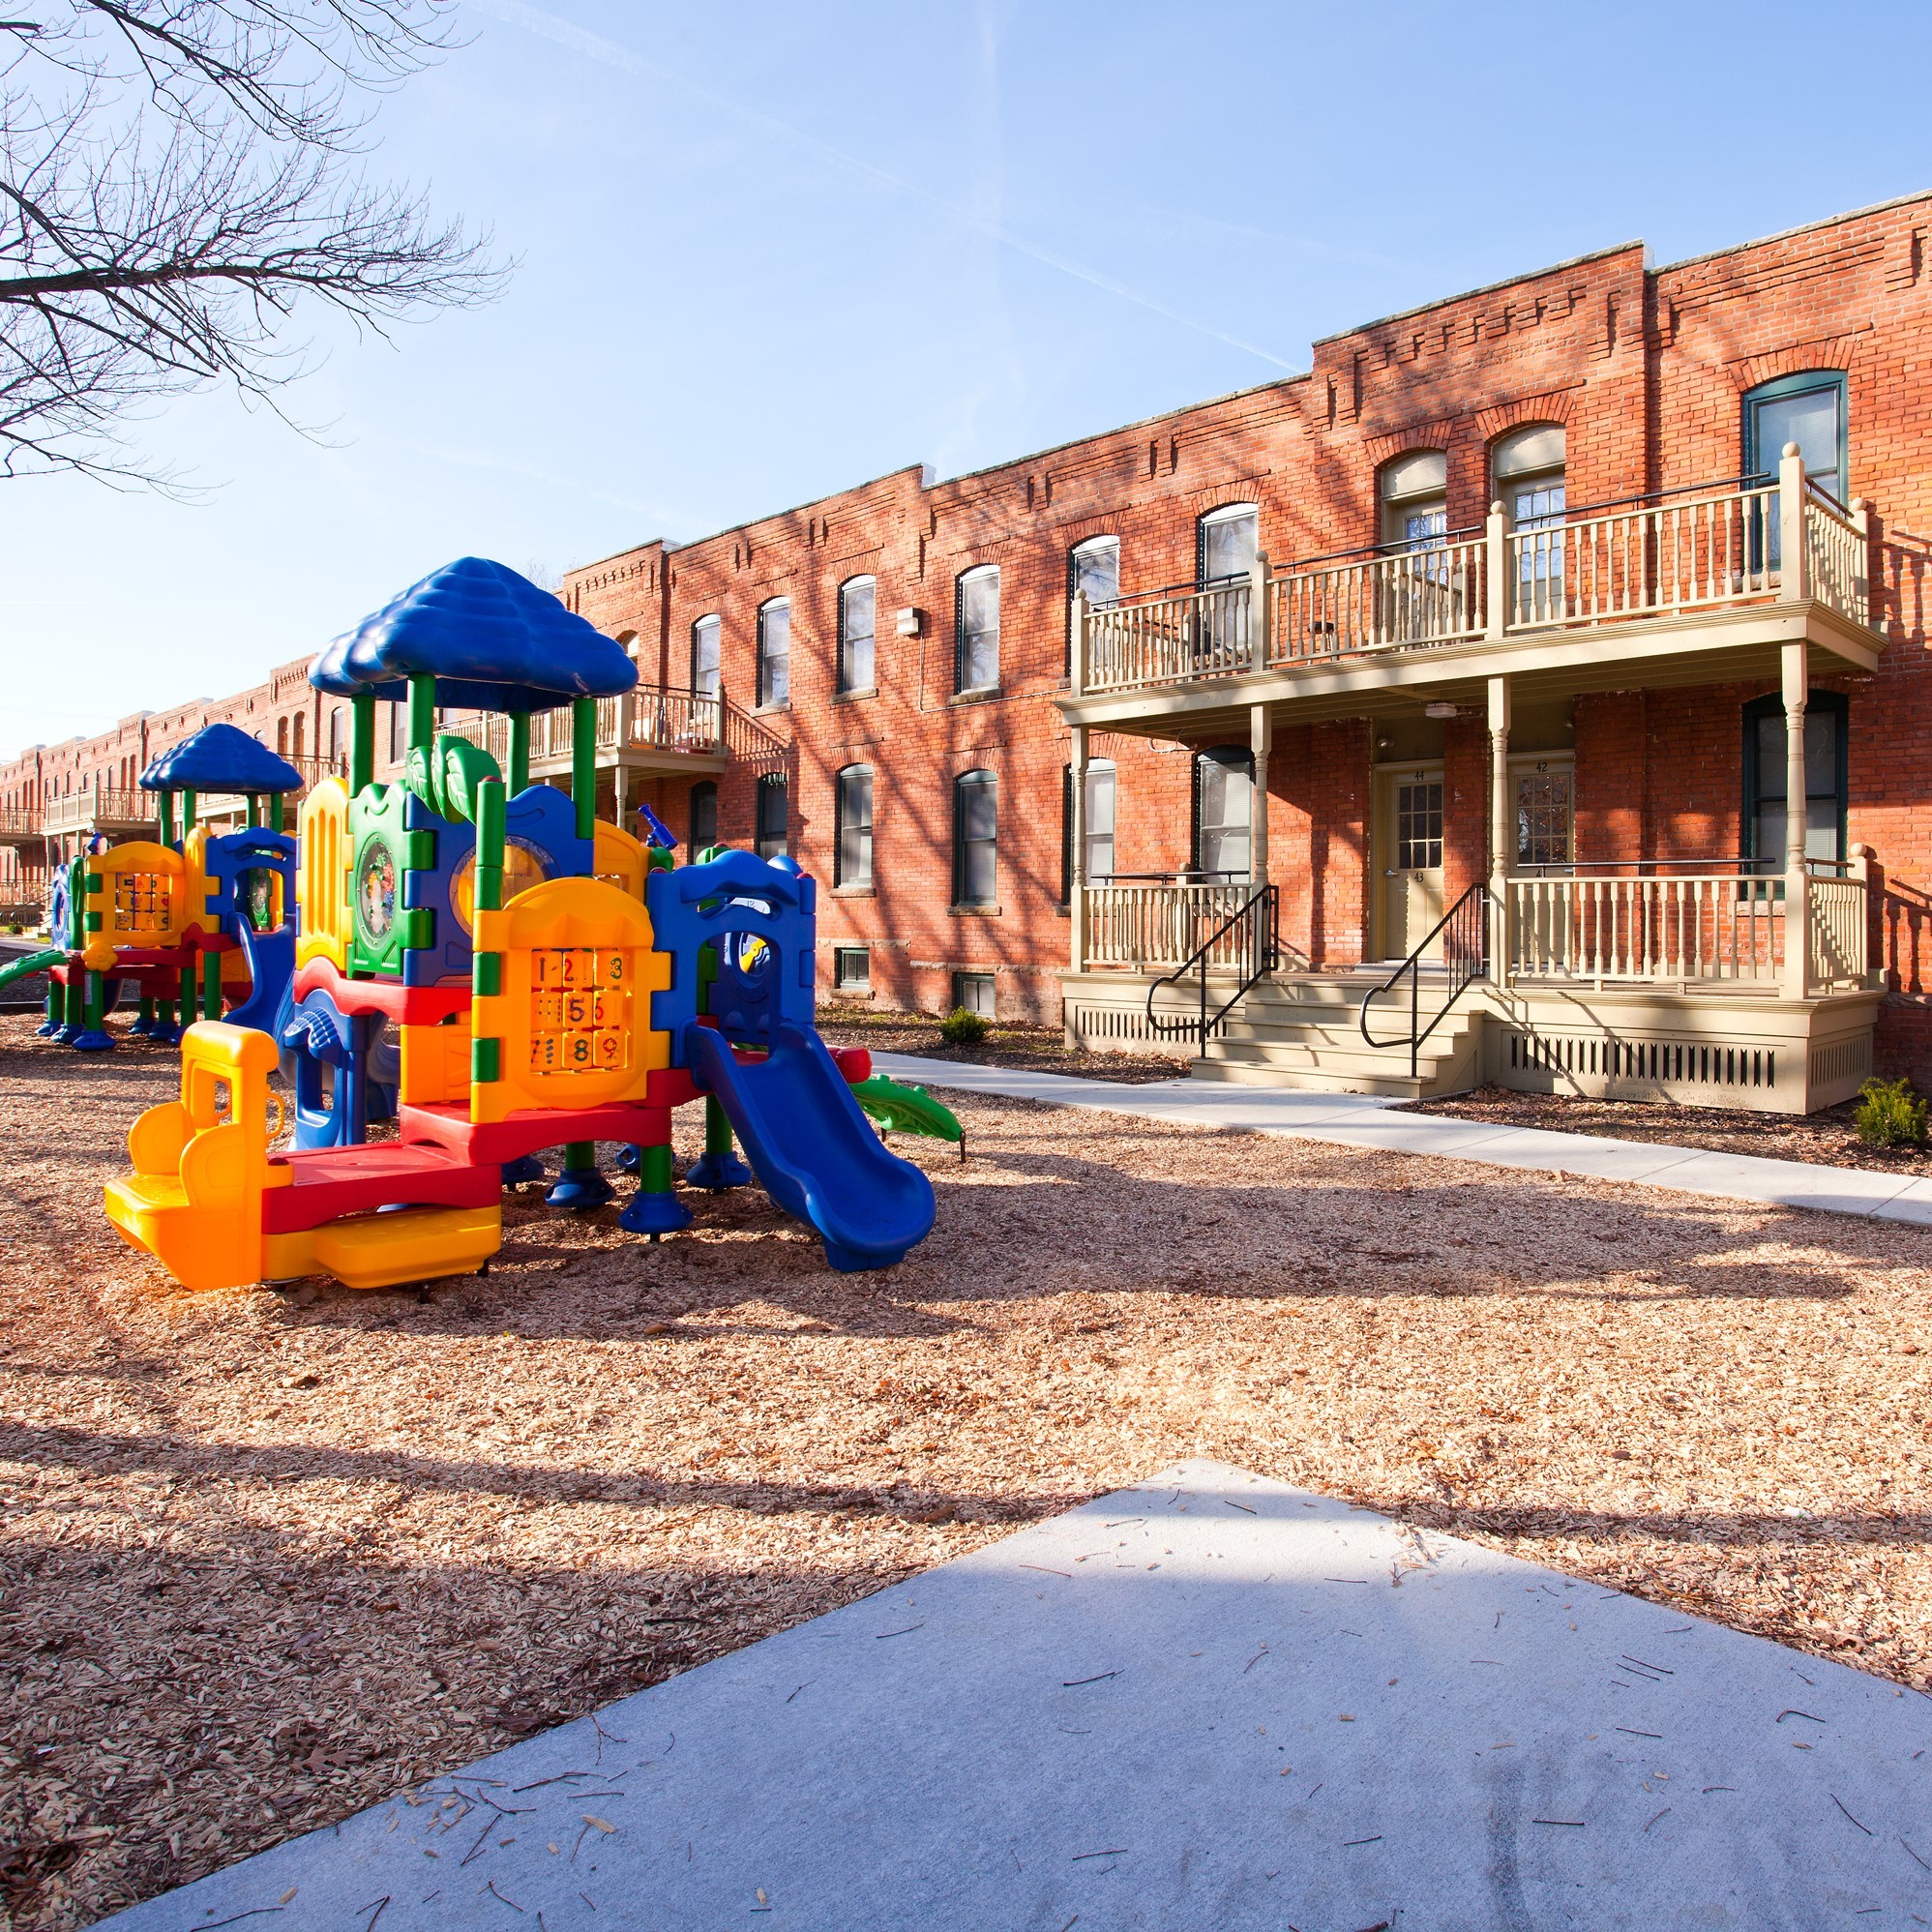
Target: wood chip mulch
(269, 1556)
(1012, 1042)
(1828, 1138)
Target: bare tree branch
(178, 179)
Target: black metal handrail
(1260, 955)
(1464, 930)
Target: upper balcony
(99, 808)
(651, 728)
(1662, 582)
(22, 826)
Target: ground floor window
(704, 821)
(975, 839)
(1545, 815)
(1224, 812)
(1827, 723)
(851, 968)
(973, 990)
(772, 812)
(851, 855)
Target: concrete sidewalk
(1360, 1121)
(1210, 1701)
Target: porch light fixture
(1442, 710)
(906, 623)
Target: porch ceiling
(1718, 647)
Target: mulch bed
(1010, 1044)
(266, 1558)
(1830, 1138)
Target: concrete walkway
(1210, 1701)
(1361, 1121)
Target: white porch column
(1496, 573)
(1501, 829)
(1077, 835)
(1794, 561)
(1796, 681)
(1261, 742)
(1077, 644)
(618, 791)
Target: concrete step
(1386, 1086)
(1362, 1065)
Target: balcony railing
(1714, 548)
(21, 822)
(98, 805)
(649, 718)
(1160, 925)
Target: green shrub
(1890, 1115)
(961, 1029)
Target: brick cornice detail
(1553, 405)
(1819, 353)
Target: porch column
(1261, 742)
(1796, 681)
(1076, 836)
(1501, 829)
(617, 789)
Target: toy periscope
(481, 958)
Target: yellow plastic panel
(203, 1222)
(414, 1244)
(436, 1063)
(573, 1014)
(619, 860)
(196, 884)
(142, 900)
(322, 849)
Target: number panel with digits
(579, 1010)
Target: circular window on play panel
(524, 866)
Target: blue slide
(271, 958)
(811, 1146)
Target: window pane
(977, 806)
(771, 818)
(1227, 793)
(775, 653)
(1811, 421)
(1096, 572)
(858, 606)
(854, 866)
(1100, 781)
(1227, 545)
(979, 630)
(705, 639)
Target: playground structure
(481, 958)
(198, 923)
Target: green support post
(362, 742)
(187, 994)
(76, 1000)
(255, 809)
(422, 713)
(166, 818)
(275, 811)
(97, 1001)
(187, 814)
(211, 986)
(584, 765)
(519, 753)
(486, 972)
(144, 1014)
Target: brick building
(1518, 589)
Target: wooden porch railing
(1164, 925)
(21, 822)
(649, 718)
(1711, 547)
(80, 810)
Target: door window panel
(1419, 826)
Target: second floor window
(1228, 541)
(978, 625)
(1809, 410)
(858, 623)
(976, 839)
(775, 651)
(1093, 570)
(1414, 494)
(335, 732)
(706, 636)
(852, 861)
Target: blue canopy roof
(219, 758)
(490, 638)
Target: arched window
(1807, 409)
(1826, 734)
(852, 863)
(1224, 812)
(298, 739)
(976, 630)
(1414, 494)
(775, 651)
(335, 732)
(976, 839)
(706, 637)
(1526, 470)
(773, 815)
(1227, 541)
(701, 823)
(1093, 570)
(1100, 805)
(281, 736)
(859, 625)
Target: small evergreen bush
(961, 1029)
(1890, 1115)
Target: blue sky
(770, 251)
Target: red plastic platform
(332, 1182)
(447, 1124)
(405, 1005)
